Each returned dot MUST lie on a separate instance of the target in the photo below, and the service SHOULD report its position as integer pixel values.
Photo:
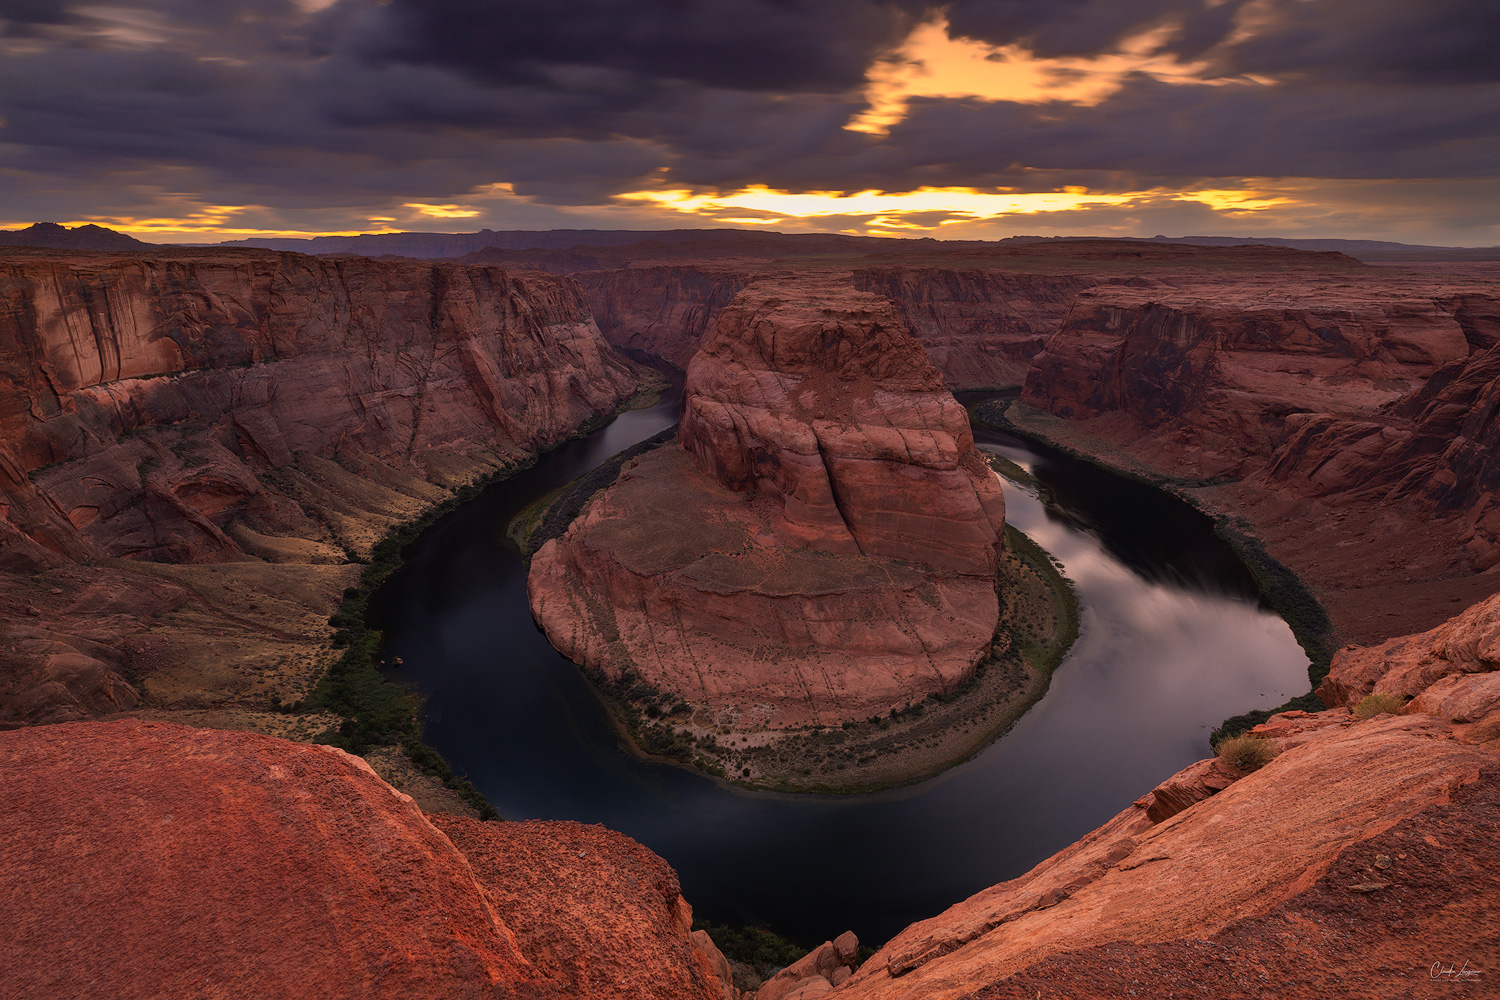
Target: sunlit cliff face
(969, 118)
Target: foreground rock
(821, 548)
(1356, 859)
(1451, 672)
(247, 409)
(152, 860)
(592, 909)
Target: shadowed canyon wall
(256, 410)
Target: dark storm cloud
(1151, 128)
(261, 102)
(1378, 41)
(1077, 27)
(782, 45)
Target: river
(1172, 641)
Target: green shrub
(1247, 753)
(1379, 704)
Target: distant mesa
(52, 236)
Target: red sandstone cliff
(822, 547)
(153, 860)
(1347, 412)
(663, 310)
(250, 408)
(1212, 374)
(981, 327)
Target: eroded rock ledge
(1354, 860)
(821, 547)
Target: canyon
(196, 446)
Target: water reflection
(1171, 643)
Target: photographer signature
(1460, 974)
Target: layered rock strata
(248, 408)
(981, 327)
(1343, 418)
(821, 547)
(150, 860)
(1356, 859)
(664, 310)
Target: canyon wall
(250, 409)
(664, 310)
(150, 860)
(1214, 374)
(1343, 418)
(822, 546)
(981, 326)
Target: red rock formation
(150, 860)
(153, 860)
(1356, 858)
(1212, 375)
(1453, 671)
(828, 552)
(664, 310)
(592, 909)
(212, 406)
(821, 401)
(980, 326)
(1436, 446)
(257, 358)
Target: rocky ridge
(822, 546)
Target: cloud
(300, 114)
(765, 45)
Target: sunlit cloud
(931, 64)
(443, 211)
(926, 210)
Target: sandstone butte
(205, 435)
(822, 544)
(154, 860)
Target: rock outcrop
(1452, 671)
(818, 972)
(1296, 874)
(151, 860)
(822, 546)
(592, 909)
(245, 408)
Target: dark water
(1172, 642)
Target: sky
(200, 120)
